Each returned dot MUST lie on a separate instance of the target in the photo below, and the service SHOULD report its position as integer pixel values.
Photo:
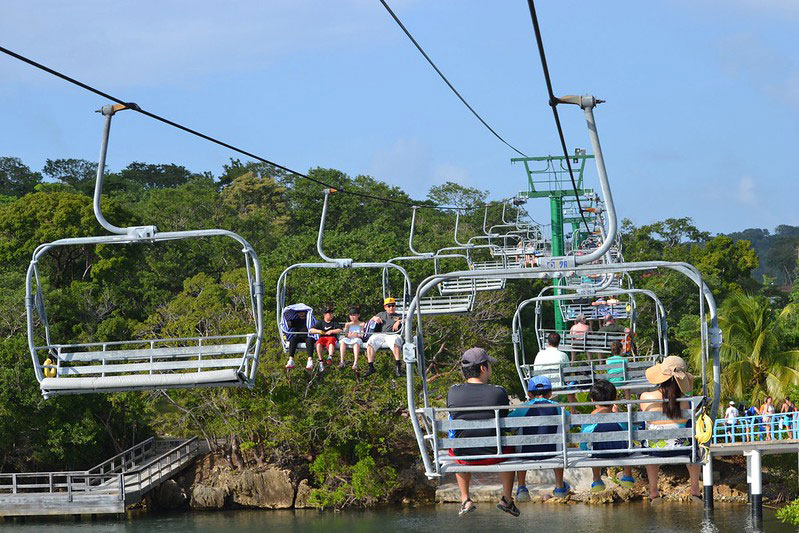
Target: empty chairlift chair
(147, 363)
(460, 299)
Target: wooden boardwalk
(106, 488)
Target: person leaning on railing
(476, 392)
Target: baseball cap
(539, 384)
(389, 300)
(732, 402)
(475, 356)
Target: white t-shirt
(548, 363)
(731, 414)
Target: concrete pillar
(757, 485)
(748, 478)
(707, 482)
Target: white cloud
(746, 193)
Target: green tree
(16, 179)
(77, 173)
(754, 361)
(451, 193)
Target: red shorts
(326, 341)
(506, 449)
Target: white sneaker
(321, 367)
(309, 365)
(290, 364)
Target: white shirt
(548, 362)
(731, 414)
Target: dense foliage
(344, 430)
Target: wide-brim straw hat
(671, 367)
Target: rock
(270, 489)
(303, 491)
(169, 495)
(207, 498)
(725, 493)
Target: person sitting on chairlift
(611, 326)
(353, 336)
(604, 391)
(297, 320)
(539, 391)
(387, 325)
(327, 331)
(549, 361)
(477, 392)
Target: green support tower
(548, 177)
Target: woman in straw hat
(674, 382)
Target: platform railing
(756, 428)
(71, 484)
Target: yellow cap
(389, 300)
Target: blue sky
(701, 116)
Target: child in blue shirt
(604, 391)
(539, 392)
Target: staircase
(108, 487)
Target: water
(633, 517)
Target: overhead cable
(214, 140)
(452, 87)
(553, 102)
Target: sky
(701, 112)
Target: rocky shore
(212, 484)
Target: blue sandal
(598, 486)
(563, 492)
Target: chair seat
(141, 381)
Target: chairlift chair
(140, 364)
(579, 376)
(431, 424)
(281, 300)
(447, 302)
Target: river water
(549, 518)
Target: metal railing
(144, 477)
(756, 428)
(123, 461)
(118, 477)
(69, 484)
(646, 437)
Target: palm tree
(752, 360)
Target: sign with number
(559, 263)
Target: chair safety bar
(569, 440)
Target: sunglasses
(391, 305)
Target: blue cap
(539, 384)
